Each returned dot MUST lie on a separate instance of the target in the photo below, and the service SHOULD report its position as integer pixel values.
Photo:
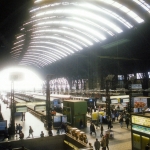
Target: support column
(12, 109)
(48, 104)
(107, 99)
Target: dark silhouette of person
(92, 128)
(127, 121)
(109, 124)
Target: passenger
(20, 128)
(103, 143)
(92, 129)
(16, 129)
(107, 140)
(97, 144)
(30, 131)
(42, 134)
(102, 129)
(113, 116)
(121, 122)
(109, 124)
(117, 114)
(21, 135)
(127, 122)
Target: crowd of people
(121, 117)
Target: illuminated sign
(21, 109)
(57, 119)
(125, 100)
(114, 101)
(40, 108)
(64, 119)
(103, 99)
(119, 96)
(16, 76)
(135, 86)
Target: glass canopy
(58, 29)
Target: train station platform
(121, 140)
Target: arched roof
(58, 29)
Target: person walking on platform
(92, 129)
(103, 143)
(16, 129)
(127, 122)
(42, 134)
(107, 140)
(121, 121)
(102, 129)
(97, 144)
(30, 131)
(20, 128)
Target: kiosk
(140, 130)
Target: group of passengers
(104, 142)
(115, 115)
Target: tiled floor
(121, 140)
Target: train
(55, 100)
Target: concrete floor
(121, 140)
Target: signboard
(16, 76)
(40, 108)
(64, 119)
(57, 119)
(125, 100)
(139, 102)
(135, 86)
(3, 125)
(21, 109)
(114, 101)
(119, 96)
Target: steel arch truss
(58, 29)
